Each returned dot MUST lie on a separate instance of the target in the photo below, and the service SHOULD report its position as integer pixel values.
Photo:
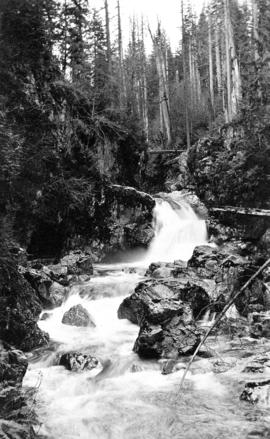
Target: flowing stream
(130, 398)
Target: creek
(130, 398)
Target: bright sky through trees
(167, 11)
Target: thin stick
(221, 315)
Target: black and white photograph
(134, 219)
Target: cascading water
(178, 231)
(120, 404)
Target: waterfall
(178, 230)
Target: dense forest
(81, 108)
(94, 124)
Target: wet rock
(50, 292)
(57, 273)
(40, 281)
(257, 392)
(230, 270)
(77, 262)
(259, 364)
(13, 365)
(77, 362)
(259, 324)
(77, 316)
(223, 365)
(136, 368)
(138, 235)
(254, 368)
(219, 233)
(45, 316)
(168, 367)
(162, 272)
(170, 339)
(57, 294)
(156, 301)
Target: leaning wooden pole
(221, 315)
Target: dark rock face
(20, 308)
(77, 316)
(77, 362)
(164, 311)
(115, 218)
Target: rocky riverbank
(169, 303)
(24, 291)
(171, 306)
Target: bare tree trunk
(122, 86)
(255, 29)
(218, 61)
(210, 54)
(234, 93)
(108, 39)
(186, 94)
(163, 84)
(144, 86)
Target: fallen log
(241, 211)
(219, 318)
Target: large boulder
(77, 316)
(170, 339)
(156, 301)
(77, 362)
(164, 310)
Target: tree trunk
(234, 93)
(108, 40)
(218, 61)
(186, 94)
(210, 58)
(122, 85)
(163, 84)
